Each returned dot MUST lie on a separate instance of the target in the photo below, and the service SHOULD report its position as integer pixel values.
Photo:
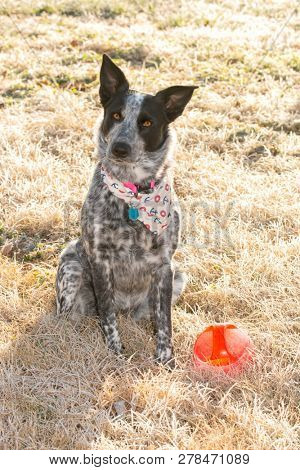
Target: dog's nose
(121, 149)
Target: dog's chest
(130, 252)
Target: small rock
(7, 249)
(260, 150)
(255, 154)
(119, 407)
(25, 244)
(239, 136)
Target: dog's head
(134, 137)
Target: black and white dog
(130, 219)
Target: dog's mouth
(117, 161)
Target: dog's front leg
(161, 301)
(103, 287)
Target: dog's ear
(112, 80)
(175, 99)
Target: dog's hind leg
(74, 293)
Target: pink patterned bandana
(153, 209)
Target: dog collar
(152, 209)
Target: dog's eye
(117, 116)
(147, 123)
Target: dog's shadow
(61, 386)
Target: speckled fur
(117, 264)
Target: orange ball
(224, 346)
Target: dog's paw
(164, 355)
(112, 338)
(115, 346)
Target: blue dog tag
(133, 213)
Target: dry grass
(238, 163)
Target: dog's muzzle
(121, 150)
